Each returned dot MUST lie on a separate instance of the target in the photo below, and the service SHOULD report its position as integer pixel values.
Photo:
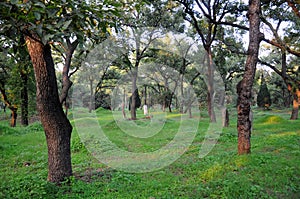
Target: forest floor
(272, 170)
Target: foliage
(263, 96)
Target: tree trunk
(134, 93)
(145, 95)
(13, 108)
(296, 101)
(123, 104)
(66, 82)
(66, 105)
(210, 87)
(181, 94)
(24, 79)
(13, 118)
(244, 88)
(170, 103)
(91, 96)
(225, 116)
(225, 113)
(56, 125)
(24, 99)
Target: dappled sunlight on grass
(174, 115)
(230, 164)
(241, 160)
(214, 171)
(285, 134)
(271, 119)
(270, 171)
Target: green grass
(270, 171)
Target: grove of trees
(229, 39)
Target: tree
(25, 73)
(263, 97)
(15, 76)
(205, 17)
(142, 29)
(13, 108)
(229, 65)
(279, 92)
(56, 125)
(42, 23)
(284, 39)
(244, 121)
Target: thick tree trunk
(56, 125)
(296, 102)
(244, 88)
(210, 87)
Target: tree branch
(294, 8)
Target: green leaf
(40, 4)
(39, 30)
(37, 15)
(67, 24)
(48, 37)
(51, 12)
(14, 2)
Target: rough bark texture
(56, 125)
(244, 87)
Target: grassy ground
(270, 171)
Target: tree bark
(181, 92)
(134, 93)
(56, 125)
(66, 82)
(244, 88)
(296, 102)
(13, 118)
(210, 87)
(225, 117)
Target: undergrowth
(270, 171)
